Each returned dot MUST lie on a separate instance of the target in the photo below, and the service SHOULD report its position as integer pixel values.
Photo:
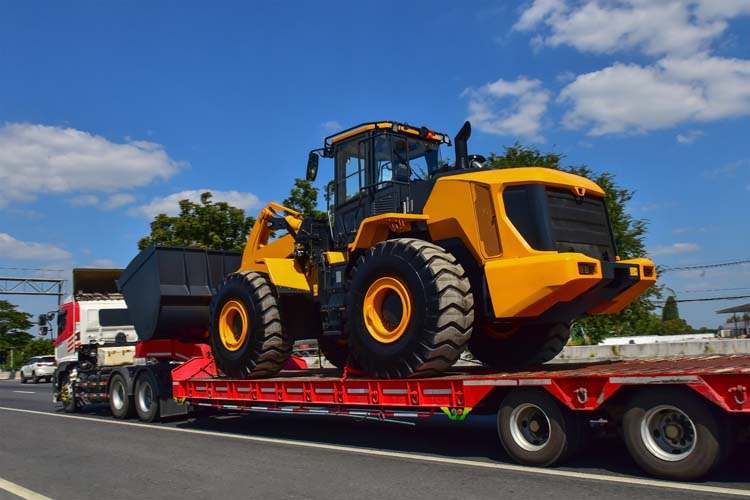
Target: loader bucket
(168, 290)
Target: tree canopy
(303, 197)
(219, 226)
(14, 336)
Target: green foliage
(218, 226)
(303, 197)
(629, 233)
(670, 312)
(13, 335)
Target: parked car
(38, 367)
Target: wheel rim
(668, 433)
(118, 395)
(145, 397)
(387, 309)
(233, 325)
(529, 427)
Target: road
(91, 455)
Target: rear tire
(675, 434)
(120, 403)
(147, 397)
(335, 350)
(246, 332)
(535, 429)
(528, 346)
(422, 290)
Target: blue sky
(111, 112)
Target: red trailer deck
(679, 417)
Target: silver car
(38, 367)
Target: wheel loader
(419, 260)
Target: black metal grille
(580, 224)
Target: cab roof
(399, 128)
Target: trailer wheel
(120, 403)
(335, 350)
(246, 332)
(526, 346)
(410, 310)
(674, 434)
(535, 429)
(147, 397)
(67, 394)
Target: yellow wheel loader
(419, 260)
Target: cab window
(350, 160)
(62, 319)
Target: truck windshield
(401, 159)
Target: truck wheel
(67, 394)
(673, 434)
(335, 350)
(535, 429)
(34, 378)
(527, 346)
(410, 309)
(245, 328)
(147, 397)
(120, 403)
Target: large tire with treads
(410, 310)
(246, 332)
(335, 350)
(526, 346)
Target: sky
(111, 112)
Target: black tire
(527, 346)
(700, 436)
(438, 292)
(71, 404)
(23, 378)
(120, 402)
(265, 346)
(146, 397)
(335, 350)
(530, 438)
(34, 378)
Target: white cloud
(675, 27)
(118, 200)
(84, 200)
(11, 248)
(331, 126)
(505, 107)
(689, 137)
(675, 248)
(170, 204)
(633, 98)
(45, 159)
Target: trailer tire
(120, 403)
(421, 289)
(535, 429)
(527, 346)
(674, 434)
(147, 397)
(334, 350)
(247, 335)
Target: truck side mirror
(42, 321)
(312, 166)
(43, 330)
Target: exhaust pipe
(462, 149)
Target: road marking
(25, 392)
(635, 481)
(20, 491)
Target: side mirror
(312, 166)
(42, 320)
(43, 330)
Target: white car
(38, 367)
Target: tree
(629, 233)
(13, 334)
(670, 312)
(303, 197)
(218, 226)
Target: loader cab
(380, 168)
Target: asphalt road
(264, 456)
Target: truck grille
(580, 224)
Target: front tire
(120, 403)
(335, 350)
(674, 434)
(147, 397)
(69, 402)
(410, 310)
(526, 346)
(246, 332)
